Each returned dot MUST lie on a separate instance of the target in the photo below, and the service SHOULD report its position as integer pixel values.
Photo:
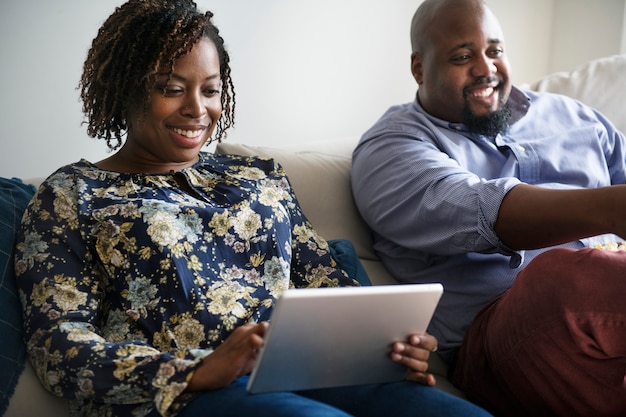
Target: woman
(146, 278)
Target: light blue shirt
(430, 190)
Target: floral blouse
(129, 280)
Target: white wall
(584, 29)
(303, 70)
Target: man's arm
(532, 217)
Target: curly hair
(137, 41)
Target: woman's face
(170, 132)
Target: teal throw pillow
(342, 251)
(14, 196)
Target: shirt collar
(519, 103)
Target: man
(499, 194)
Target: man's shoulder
(401, 110)
(551, 102)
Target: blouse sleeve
(60, 287)
(311, 263)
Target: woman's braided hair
(141, 38)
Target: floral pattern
(129, 280)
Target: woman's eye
(172, 91)
(168, 90)
(213, 88)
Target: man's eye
(460, 58)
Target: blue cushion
(14, 196)
(344, 253)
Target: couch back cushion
(321, 182)
(600, 83)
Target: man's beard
(489, 125)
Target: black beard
(489, 125)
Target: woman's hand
(414, 353)
(230, 360)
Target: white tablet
(328, 337)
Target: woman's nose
(194, 106)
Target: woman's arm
(232, 359)
(311, 262)
(62, 287)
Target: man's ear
(416, 67)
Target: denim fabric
(401, 399)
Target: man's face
(461, 68)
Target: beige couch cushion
(598, 83)
(32, 399)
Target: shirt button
(521, 148)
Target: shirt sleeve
(416, 196)
(60, 285)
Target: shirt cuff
(516, 259)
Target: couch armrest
(32, 399)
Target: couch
(320, 172)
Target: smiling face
(459, 62)
(180, 115)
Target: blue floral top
(129, 280)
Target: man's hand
(414, 353)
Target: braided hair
(140, 38)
